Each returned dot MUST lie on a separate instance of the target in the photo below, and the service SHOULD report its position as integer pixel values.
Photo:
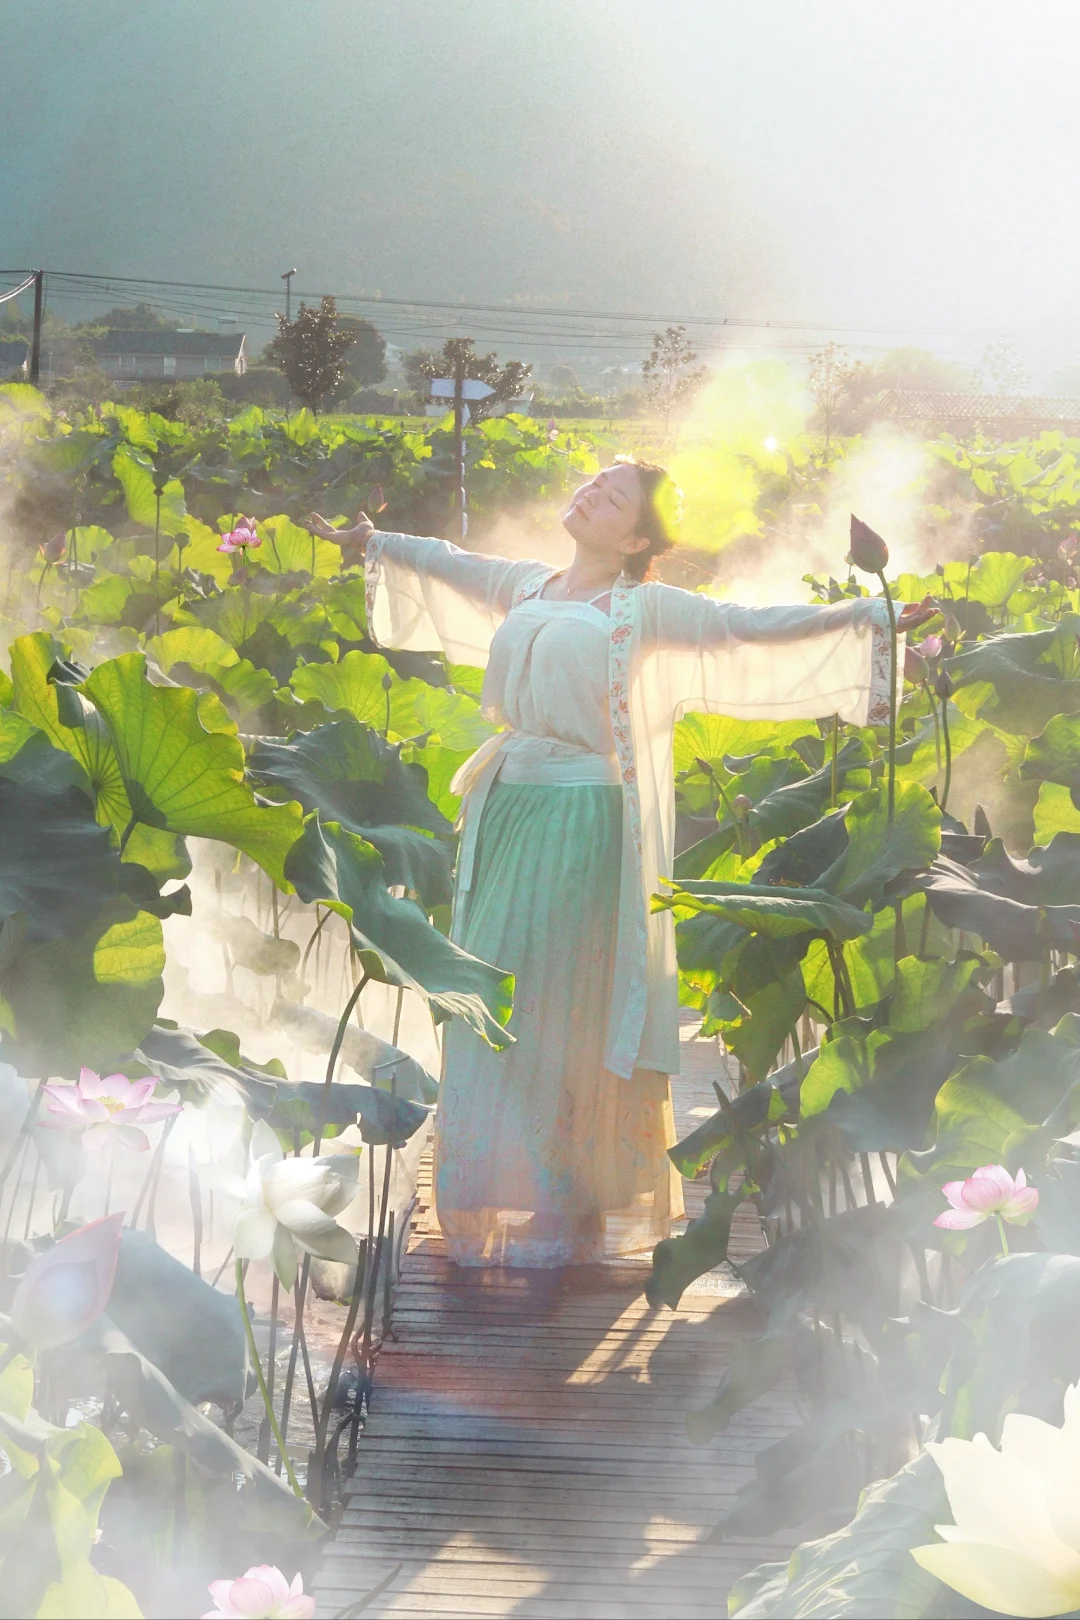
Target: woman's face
(603, 514)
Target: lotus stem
(892, 693)
(299, 1291)
(937, 724)
(157, 556)
(834, 781)
(1002, 1235)
(371, 1283)
(318, 1462)
(948, 753)
(331, 1062)
(153, 1169)
(253, 1351)
(262, 1450)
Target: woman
(553, 1152)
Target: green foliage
(53, 1493)
(335, 866)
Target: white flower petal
(253, 1234)
(285, 1263)
(320, 1234)
(1002, 1580)
(344, 1170)
(999, 1501)
(1036, 1444)
(296, 1178)
(264, 1142)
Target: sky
(891, 175)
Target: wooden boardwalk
(525, 1454)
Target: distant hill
(472, 151)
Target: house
(138, 356)
(999, 415)
(13, 361)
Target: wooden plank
(526, 1452)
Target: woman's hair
(657, 519)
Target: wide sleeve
(430, 596)
(771, 663)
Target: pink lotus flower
(930, 647)
(990, 1192)
(106, 1110)
(261, 1593)
(242, 538)
(67, 1286)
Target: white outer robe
(670, 651)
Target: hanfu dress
(553, 1152)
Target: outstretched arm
(771, 663)
(427, 595)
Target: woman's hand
(915, 614)
(353, 542)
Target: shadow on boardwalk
(526, 1454)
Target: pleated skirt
(543, 1157)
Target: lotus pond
(226, 852)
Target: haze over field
(909, 171)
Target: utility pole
(35, 346)
(459, 389)
(287, 279)
(459, 443)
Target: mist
(776, 164)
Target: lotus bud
(930, 647)
(916, 669)
(67, 1287)
(52, 550)
(387, 682)
(944, 685)
(953, 628)
(742, 806)
(868, 550)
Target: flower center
(111, 1104)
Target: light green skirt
(543, 1157)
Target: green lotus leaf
(340, 869)
(182, 764)
(356, 685)
(348, 774)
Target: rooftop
(929, 405)
(195, 343)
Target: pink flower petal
(133, 1138)
(1022, 1205)
(136, 1092)
(272, 1577)
(988, 1188)
(251, 1597)
(99, 1135)
(959, 1220)
(150, 1112)
(954, 1192)
(87, 1076)
(296, 1608)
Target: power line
(86, 279)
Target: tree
(311, 352)
(831, 375)
(365, 363)
(1005, 368)
(849, 396)
(129, 318)
(669, 379)
(507, 380)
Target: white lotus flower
(1015, 1546)
(290, 1204)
